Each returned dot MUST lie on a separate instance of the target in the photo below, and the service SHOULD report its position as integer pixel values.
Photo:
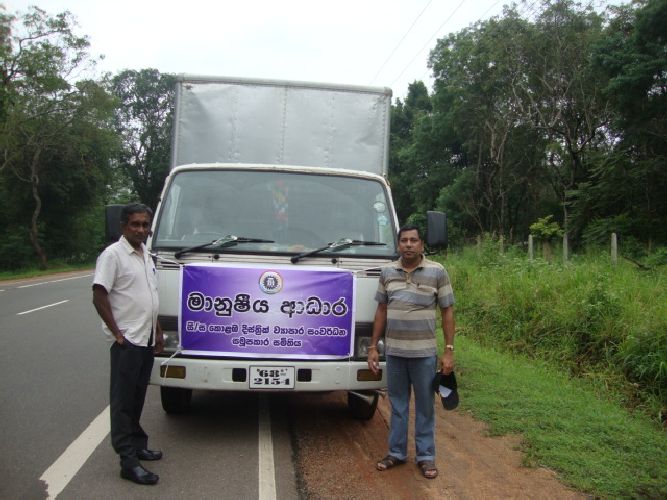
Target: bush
(657, 258)
(643, 356)
(15, 249)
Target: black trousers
(130, 372)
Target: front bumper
(233, 374)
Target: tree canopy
(143, 122)
(68, 146)
(560, 115)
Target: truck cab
(279, 218)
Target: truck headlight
(170, 340)
(364, 342)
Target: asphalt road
(54, 396)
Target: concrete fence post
(614, 249)
(531, 250)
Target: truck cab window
(297, 211)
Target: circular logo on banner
(270, 282)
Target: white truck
(272, 226)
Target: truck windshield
(298, 212)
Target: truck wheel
(362, 404)
(175, 399)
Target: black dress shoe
(139, 475)
(149, 454)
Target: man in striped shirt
(409, 293)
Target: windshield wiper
(334, 247)
(225, 241)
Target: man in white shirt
(125, 296)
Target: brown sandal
(388, 462)
(428, 468)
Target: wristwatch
(449, 347)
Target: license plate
(272, 377)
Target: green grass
(593, 444)
(55, 267)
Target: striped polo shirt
(411, 299)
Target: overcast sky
(362, 42)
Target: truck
(274, 221)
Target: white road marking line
(43, 307)
(60, 473)
(72, 278)
(54, 281)
(267, 471)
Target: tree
(54, 137)
(630, 185)
(404, 170)
(477, 113)
(144, 121)
(562, 94)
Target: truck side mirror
(436, 229)
(112, 231)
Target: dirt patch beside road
(336, 458)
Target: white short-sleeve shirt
(130, 281)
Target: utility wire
(429, 41)
(400, 41)
(530, 10)
(489, 9)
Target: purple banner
(262, 312)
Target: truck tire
(175, 400)
(362, 404)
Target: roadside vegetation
(53, 268)
(571, 356)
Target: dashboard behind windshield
(299, 212)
